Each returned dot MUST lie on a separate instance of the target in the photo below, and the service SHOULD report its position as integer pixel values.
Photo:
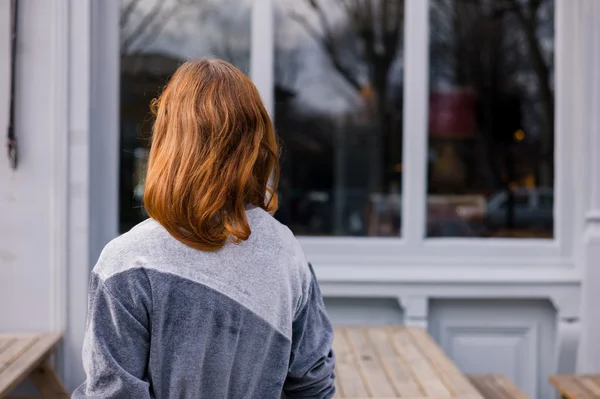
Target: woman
(211, 297)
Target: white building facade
(517, 300)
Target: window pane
(156, 37)
(491, 118)
(338, 95)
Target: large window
(437, 124)
(156, 37)
(491, 118)
(338, 110)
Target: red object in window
(452, 114)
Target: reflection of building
(514, 302)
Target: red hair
(213, 153)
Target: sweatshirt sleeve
(310, 373)
(117, 341)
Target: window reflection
(491, 118)
(156, 37)
(338, 94)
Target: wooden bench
(577, 386)
(494, 386)
(395, 362)
(26, 355)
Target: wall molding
(587, 59)
(445, 274)
(416, 310)
(59, 185)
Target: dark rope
(11, 138)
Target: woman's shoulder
(130, 249)
(265, 227)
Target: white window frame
(413, 248)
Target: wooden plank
(397, 372)
(420, 367)
(376, 380)
(591, 383)
(454, 380)
(394, 362)
(488, 388)
(509, 387)
(493, 386)
(570, 388)
(349, 381)
(5, 342)
(18, 370)
(18, 346)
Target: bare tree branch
(529, 24)
(328, 46)
(155, 30)
(127, 12)
(142, 26)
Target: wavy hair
(213, 153)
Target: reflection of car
(450, 228)
(533, 208)
(443, 220)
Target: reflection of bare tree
(528, 18)
(488, 46)
(150, 21)
(368, 37)
(230, 41)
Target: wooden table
(395, 362)
(25, 355)
(577, 386)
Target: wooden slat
(17, 347)
(569, 387)
(23, 365)
(5, 342)
(398, 372)
(451, 376)
(576, 386)
(488, 388)
(494, 386)
(348, 379)
(514, 391)
(376, 380)
(426, 375)
(591, 383)
(395, 362)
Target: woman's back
(211, 297)
(212, 324)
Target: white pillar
(589, 100)
(262, 52)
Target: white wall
(26, 221)
(67, 168)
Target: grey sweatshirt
(169, 321)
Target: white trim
(570, 119)
(588, 57)
(393, 251)
(104, 125)
(262, 52)
(566, 194)
(59, 200)
(440, 275)
(416, 111)
(79, 188)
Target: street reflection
(491, 118)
